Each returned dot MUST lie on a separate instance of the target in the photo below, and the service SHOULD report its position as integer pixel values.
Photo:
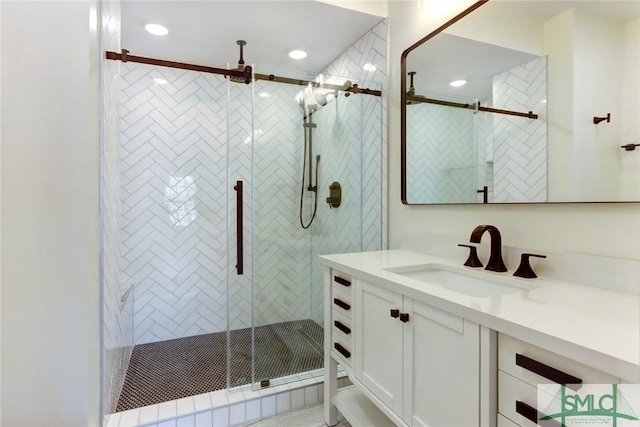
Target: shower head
(321, 98)
(246, 78)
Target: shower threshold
(169, 370)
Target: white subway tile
(218, 398)
(253, 410)
(112, 420)
(236, 413)
(221, 417)
(168, 423)
(310, 395)
(283, 402)
(188, 421)
(129, 418)
(185, 406)
(268, 406)
(204, 419)
(148, 414)
(235, 397)
(202, 402)
(167, 410)
(297, 398)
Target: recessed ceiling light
(297, 54)
(159, 81)
(369, 67)
(264, 94)
(458, 83)
(156, 29)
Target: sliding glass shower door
(287, 145)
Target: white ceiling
(446, 57)
(624, 10)
(205, 32)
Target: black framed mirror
(550, 112)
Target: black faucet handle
(525, 270)
(473, 260)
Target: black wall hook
(597, 120)
(630, 147)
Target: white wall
(372, 7)
(50, 295)
(604, 229)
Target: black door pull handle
(341, 304)
(239, 228)
(343, 282)
(548, 372)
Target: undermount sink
(459, 280)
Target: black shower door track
(125, 57)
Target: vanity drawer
(341, 349)
(535, 365)
(342, 301)
(517, 400)
(505, 422)
(342, 280)
(342, 325)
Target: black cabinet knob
(395, 313)
(404, 317)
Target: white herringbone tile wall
(520, 144)
(364, 190)
(282, 251)
(370, 49)
(117, 318)
(441, 157)
(184, 145)
(174, 200)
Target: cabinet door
(442, 368)
(379, 344)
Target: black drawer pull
(341, 304)
(343, 282)
(344, 328)
(559, 377)
(532, 414)
(342, 350)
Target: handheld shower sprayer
(308, 126)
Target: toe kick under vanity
(427, 341)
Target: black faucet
(495, 259)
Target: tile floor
(308, 417)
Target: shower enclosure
(220, 279)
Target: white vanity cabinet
(424, 353)
(522, 366)
(420, 365)
(421, 362)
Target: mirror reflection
(525, 102)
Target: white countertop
(593, 326)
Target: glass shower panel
(340, 135)
(240, 234)
(286, 340)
